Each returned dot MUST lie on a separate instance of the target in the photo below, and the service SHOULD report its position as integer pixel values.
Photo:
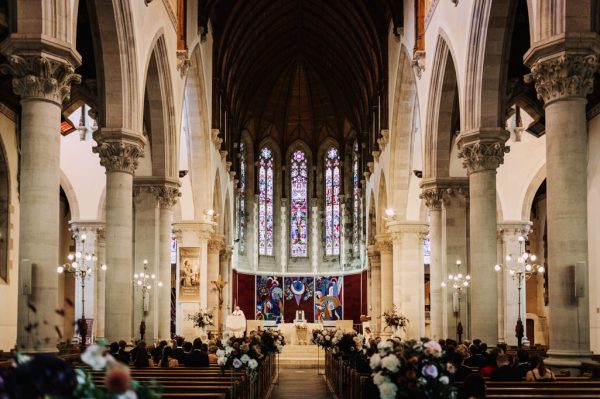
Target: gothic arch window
(299, 204)
(355, 199)
(265, 202)
(242, 199)
(332, 202)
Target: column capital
(563, 66)
(119, 153)
(440, 192)
(514, 228)
(165, 190)
(384, 244)
(216, 243)
(40, 77)
(398, 229)
(482, 149)
(200, 229)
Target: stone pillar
(146, 228)
(384, 245)
(119, 152)
(215, 245)
(482, 152)
(225, 272)
(167, 197)
(42, 81)
(375, 289)
(193, 234)
(454, 245)
(409, 274)
(509, 307)
(563, 72)
(433, 200)
(93, 231)
(101, 284)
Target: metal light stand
(459, 282)
(79, 267)
(524, 270)
(144, 281)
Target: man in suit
(124, 356)
(197, 358)
(178, 350)
(505, 372)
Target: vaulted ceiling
(300, 69)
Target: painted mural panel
(328, 298)
(189, 274)
(269, 298)
(299, 295)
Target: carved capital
(119, 156)
(384, 244)
(40, 78)
(433, 197)
(479, 156)
(418, 63)
(166, 195)
(183, 62)
(567, 75)
(512, 230)
(216, 243)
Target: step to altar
(302, 357)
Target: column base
(567, 360)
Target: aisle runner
(299, 384)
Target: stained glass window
(242, 199)
(332, 202)
(265, 202)
(299, 204)
(355, 200)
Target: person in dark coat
(124, 356)
(197, 358)
(523, 364)
(505, 372)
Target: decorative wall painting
(328, 298)
(189, 274)
(299, 295)
(269, 298)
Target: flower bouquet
(271, 341)
(394, 320)
(202, 319)
(323, 338)
(412, 369)
(238, 353)
(347, 344)
(46, 376)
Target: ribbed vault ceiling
(301, 68)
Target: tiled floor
(300, 383)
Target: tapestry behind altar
(298, 294)
(328, 298)
(269, 298)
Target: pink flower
(117, 379)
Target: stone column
(92, 230)
(225, 272)
(482, 152)
(433, 200)
(101, 283)
(563, 73)
(167, 197)
(42, 81)
(146, 228)
(409, 274)
(384, 245)
(375, 289)
(193, 234)
(119, 152)
(215, 245)
(454, 245)
(509, 308)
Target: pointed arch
(117, 61)
(161, 110)
(441, 112)
(404, 109)
(197, 135)
(217, 203)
